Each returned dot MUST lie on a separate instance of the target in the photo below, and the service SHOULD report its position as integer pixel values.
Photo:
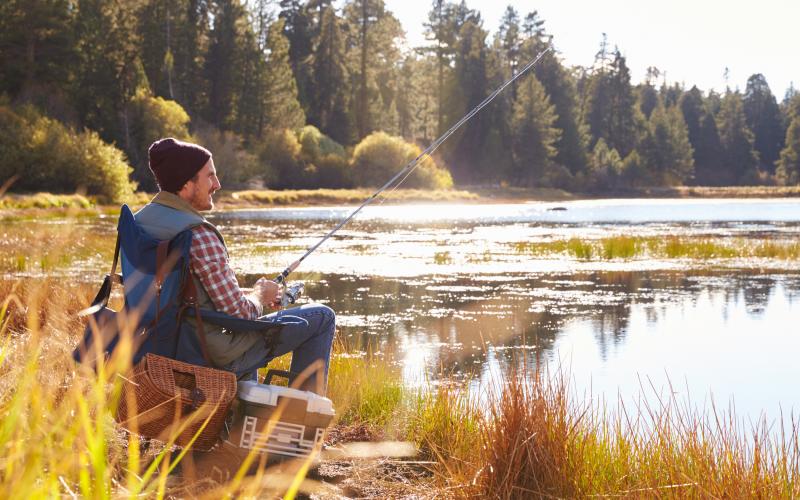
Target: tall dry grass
(58, 435)
(534, 439)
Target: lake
(442, 291)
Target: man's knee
(328, 314)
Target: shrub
(315, 145)
(380, 156)
(235, 165)
(153, 118)
(334, 172)
(279, 151)
(45, 155)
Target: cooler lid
(263, 394)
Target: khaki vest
(163, 218)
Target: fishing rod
(291, 292)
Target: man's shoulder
(206, 235)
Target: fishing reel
(291, 292)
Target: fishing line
(410, 167)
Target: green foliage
(234, 163)
(380, 156)
(740, 159)
(788, 172)
(152, 118)
(329, 95)
(704, 138)
(635, 173)
(533, 133)
(665, 147)
(44, 155)
(316, 145)
(281, 107)
(279, 152)
(764, 120)
(373, 57)
(605, 166)
(612, 112)
(38, 52)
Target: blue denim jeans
(310, 346)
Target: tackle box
(279, 420)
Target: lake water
(441, 291)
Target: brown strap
(116, 257)
(190, 300)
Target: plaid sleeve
(209, 263)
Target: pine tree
(623, 126)
(788, 171)
(704, 138)
(534, 133)
(301, 32)
(510, 43)
(373, 57)
(648, 97)
(281, 106)
(468, 88)
(559, 84)
(190, 48)
(109, 69)
(665, 148)
(37, 48)
(230, 54)
(441, 29)
(407, 99)
(740, 160)
(764, 120)
(329, 112)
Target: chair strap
(190, 300)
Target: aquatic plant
(442, 258)
(656, 247)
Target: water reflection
(728, 333)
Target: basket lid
(263, 394)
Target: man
(187, 179)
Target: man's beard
(203, 200)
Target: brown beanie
(174, 162)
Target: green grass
(442, 258)
(670, 247)
(527, 437)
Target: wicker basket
(165, 396)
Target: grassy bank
(670, 247)
(528, 437)
(48, 204)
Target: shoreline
(49, 205)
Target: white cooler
(279, 420)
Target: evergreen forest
(308, 94)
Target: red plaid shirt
(209, 263)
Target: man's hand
(267, 292)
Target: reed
(445, 423)
(539, 441)
(671, 247)
(526, 436)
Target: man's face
(199, 193)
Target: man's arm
(209, 263)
